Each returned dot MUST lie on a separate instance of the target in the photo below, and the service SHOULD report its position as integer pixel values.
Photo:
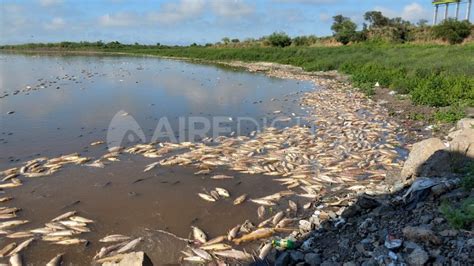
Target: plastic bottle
(284, 243)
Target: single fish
(222, 177)
(261, 212)
(64, 216)
(199, 234)
(20, 235)
(278, 217)
(107, 250)
(202, 253)
(80, 219)
(195, 259)
(16, 260)
(9, 224)
(71, 241)
(255, 235)
(265, 250)
(21, 247)
(215, 240)
(293, 206)
(151, 166)
(222, 192)
(240, 199)
(5, 250)
(233, 232)
(114, 238)
(263, 202)
(206, 197)
(56, 261)
(130, 245)
(233, 254)
(214, 247)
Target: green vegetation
(344, 29)
(278, 39)
(452, 31)
(461, 216)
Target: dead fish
(69, 223)
(97, 164)
(80, 219)
(216, 240)
(261, 212)
(10, 185)
(55, 226)
(7, 216)
(233, 254)
(5, 199)
(43, 230)
(20, 235)
(284, 222)
(81, 229)
(151, 166)
(307, 205)
(278, 217)
(195, 259)
(54, 238)
(107, 250)
(265, 222)
(62, 233)
(64, 216)
(21, 247)
(72, 241)
(215, 194)
(214, 247)
(233, 232)
(263, 202)
(265, 250)
(199, 234)
(129, 246)
(255, 235)
(95, 143)
(293, 206)
(222, 177)
(56, 261)
(114, 238)
(7, 249)
(202, 253)
(240, 199)
(222, 192)
(203, 172)
(16, 260)
(206, 197)
(9, 224)
(115, 258)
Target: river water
(52, 105)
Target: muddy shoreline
(368, 162)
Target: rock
(462, 144)
(283, 259)
(349, 263)
(440, 261)
(296, 256)
(420, 234)
(448, 233)
(445, 186)
(419, 154)
(465, 123)
(417, 257)
(312, 259)
(307, 244)
(367, 202)
(132, 259)
(305, 225)
(425, 219)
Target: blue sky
(183, 21)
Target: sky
(184, 21)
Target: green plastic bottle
(284, 243)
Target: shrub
(452, 31)
(278, 39)
(460, 216)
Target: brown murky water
(70, 102)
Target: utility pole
(435, 15)
(468, 12)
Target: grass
(434, 75)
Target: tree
(344, 29)
(225, 40)
(279, 39)
(376, 19)
(235, 40)
(452, 30)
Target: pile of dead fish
(116, 251)
(62, 230)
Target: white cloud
(118, 20)
(231, 8)
(173, 12)
(55, 24)
(50, 2)
(412, 12)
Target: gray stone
(418, 257)
(312, 259)
(349, 263)
(426, 218)
(463, 143)
(132, 259)
(419, 154)
(296, 256)
(283, 259)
